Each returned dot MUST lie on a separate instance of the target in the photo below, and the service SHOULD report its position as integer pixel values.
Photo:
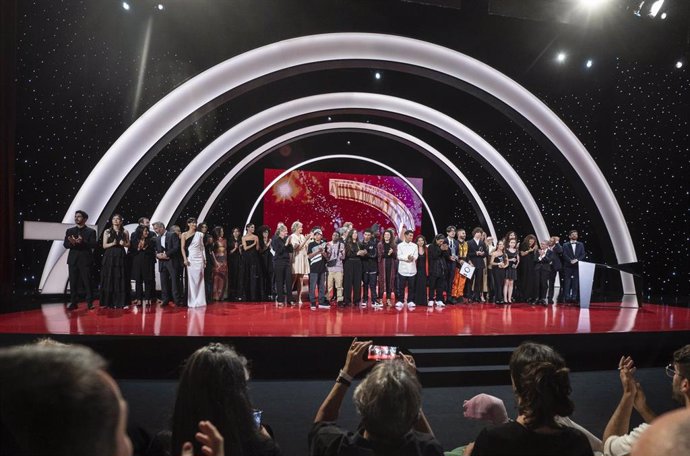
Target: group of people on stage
(374, 267)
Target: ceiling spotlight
(560, 57)
(126, 6)
(591, 4)
(377, 75)
(160, 7)
(589, 63)
(656, 6)
(663, 15)
(679, 64)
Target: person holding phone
(389, 402)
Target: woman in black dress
(526, 274)
(499, 263)
(143, 252)
(420, 286)
(513, 258)
(387, 266)
(235, 265)
(352, 269)
(267, 282)
(114, 280)
(252, 266)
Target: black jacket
(282, 251)
(81, 254)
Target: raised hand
(354, 361)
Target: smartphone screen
(381, 352)
(257, 417)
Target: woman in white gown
(195, 261)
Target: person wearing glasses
(617, 440)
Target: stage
(233, 319)
(459, 344)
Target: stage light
(348, 143)
(560, 57)
(679, 64)
(377, 75)
(160, 7)
(656, 6)
(126, 6)
(589, 63)
(593, 4)
(663, 15)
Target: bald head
(668, 434)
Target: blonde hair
(295, 225)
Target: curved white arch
(332, 157)
(103, 181)
(360, 126)
(383, 104)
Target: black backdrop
(78, 67)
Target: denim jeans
(317, 279)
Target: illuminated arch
(133, 145)
(383, 105)
(351, 126)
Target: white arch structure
(383, 104)
(137, 140)
(329, 157)
(356, 126)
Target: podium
(586, 272)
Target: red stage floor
(267, 320)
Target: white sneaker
(431, 304)
(411, 305)
(363, 304)
(398, 305)
(440, 304)
(377, 305)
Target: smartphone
(257, 417)
(381, 352)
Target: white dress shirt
(406, 268)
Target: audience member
(389, 403)
(618, 440)
(669, 434)
(213, 387)
(542, 388)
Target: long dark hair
(525, 242)
(542, 384)
(213, 386)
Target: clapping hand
(211, 440)
(626, 368)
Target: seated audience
(618, 440)
(542, 388)
(59, 400)
(214, 387)
(389, 402)
(489, 408)
(668, 434)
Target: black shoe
(90, 306)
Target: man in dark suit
(476, 253)
(573, 253)
(80, 240)
(556, 268)
(543, 260)
(169, 258)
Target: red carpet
(265, 319)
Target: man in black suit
(543, 260)
(169, 258)
(476, 253)
(80, 240)
(556, 268)
(573, 253)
